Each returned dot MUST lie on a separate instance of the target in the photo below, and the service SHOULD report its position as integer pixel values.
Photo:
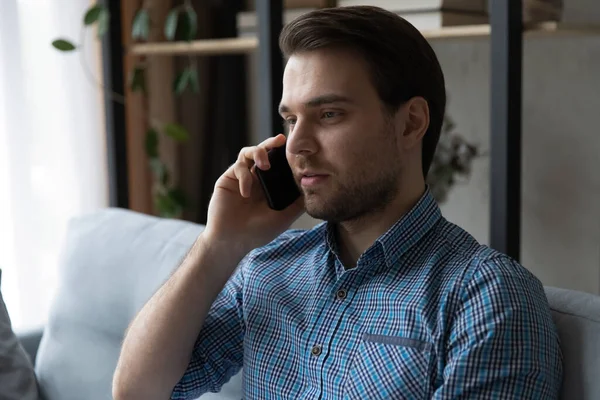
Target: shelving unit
(505, 33)
(244, 45)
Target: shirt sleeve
(218, 351)
(503, 343)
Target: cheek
(354, 158)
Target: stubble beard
(356, 195)
(354, 200)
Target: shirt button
(316, 350)
(341, 294)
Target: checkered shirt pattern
(427, 313)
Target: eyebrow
(319, 101)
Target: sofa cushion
(112, 262)
(17, 379)
(577, 318)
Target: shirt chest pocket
(389, 367)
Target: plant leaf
(93, 14)
(193, 79)
(141, 25)
(178, 197)
(151, 143)
(169, 204)
(159, 169)
(190, 24)
(176, 132)
(171, 24)
(167, 208)
(181, 81)
(138, 80)
(63, 45)
(103, 23)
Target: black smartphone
(278, 182)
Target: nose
(301, 140)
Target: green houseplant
(180, 24)
(452, 161)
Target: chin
(314, 206)
(319, 208)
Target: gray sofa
(113, 261)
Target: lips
(309, 174)
(311, 179)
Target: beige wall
(561, 150)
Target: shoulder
(492, 284)
(479, 262)
(501, 277)
(478, 273)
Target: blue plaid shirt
(427, 313)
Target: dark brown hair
(401, 61)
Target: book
(246, 20)
(424, 20)
(250, 4)
(466, 6)
(432, 20)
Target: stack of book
(434, 14)
(431, 14)
(423, 14)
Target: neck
(356, 236)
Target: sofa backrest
(112, 262)
(577, 318)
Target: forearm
(159, 342)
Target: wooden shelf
(245, 45)
(206, 47)
(532, 30)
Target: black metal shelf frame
(506, 48)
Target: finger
(256, 155)
(261, 158)
(227, 181)
(244, 177)
(274, 141)
(248, 157)
(268, 144)
(260, 153)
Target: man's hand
(238, 213)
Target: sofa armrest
(30, 340)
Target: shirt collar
(410, 228)
(407, 231)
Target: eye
(330, 114)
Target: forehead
(326, 71)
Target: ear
(415, 113)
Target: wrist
(221, 251)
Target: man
(384, 300)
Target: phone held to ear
(278, 182)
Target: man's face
(342, 145)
